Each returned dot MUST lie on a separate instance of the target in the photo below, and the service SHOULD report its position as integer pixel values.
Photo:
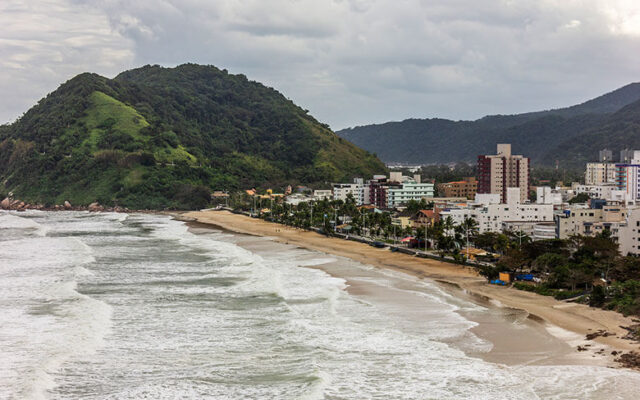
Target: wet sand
(528, 328)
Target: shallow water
(116, 306)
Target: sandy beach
(568, 321)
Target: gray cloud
(348, 61)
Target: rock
(5, 204)
(67, 205)
(95, 207)
(630, 360)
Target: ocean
(138, 306)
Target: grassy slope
(104, 107)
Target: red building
(498, 172)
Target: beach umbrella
(407, 239)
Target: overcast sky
(350, 62)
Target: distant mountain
(617, 131)
(158, 137)
(544, 135)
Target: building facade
(397, 196)
(629, 233)
(497, 173)
(590, 221)
(627, 177)
(605, 155)
(547, 195)
(468, 187)
(600, 173)
(491, 216)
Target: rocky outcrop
(95, 207)
(17, 205)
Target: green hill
(617, 131)
(158, 137)
(542, 135)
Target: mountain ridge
(536, 134)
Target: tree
(579, 198)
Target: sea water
(117, 306)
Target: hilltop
(157, 137)
(545, 136)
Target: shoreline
(573, 318)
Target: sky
(349, 62)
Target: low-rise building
(467, 188)
(547, 195)
(400, 195)
(322, 194)
(491, 216)
(589, 221)
(423, 218)
(607, 191)
(341, 191)
(544, 231)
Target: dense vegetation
(588, 268)
(158, 137)
(569, 136)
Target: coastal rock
(67, 205)
(95, 207)
(5, 204)
(630, 360)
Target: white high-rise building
(628, 177)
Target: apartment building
(497, 173)
(590, 221)
(491, 215)
(341, 191)
(547, 195)
(468, 187)
(629, 233)
(627, 177)
(397, 196)
(397, 190)
(322, 194)
(600, 173)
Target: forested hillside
(158, 137)
(544, 136)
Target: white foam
(9, 221)
(38, 282)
